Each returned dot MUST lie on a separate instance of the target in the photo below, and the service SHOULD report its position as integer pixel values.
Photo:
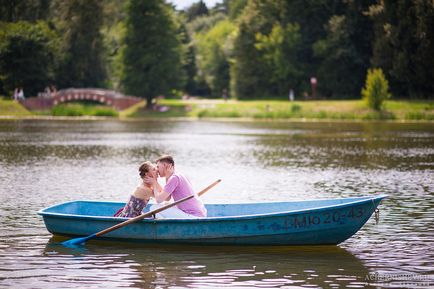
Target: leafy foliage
(279, 52)
(152, 55)
(235, 8)
(113, 32)
(214, 48)
(249, 76)
(343, 53)
(376, 89)
(258, 48)
(204, 23)
(301, 22)
(24, 10)
(404, 43)
(82, 63)
(27, 53)
(196, 9)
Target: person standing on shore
(15, 95)
(21, 93)
(291, 95)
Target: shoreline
(331, 111)
(214, 119)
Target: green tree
(348, 42)
(80, 22)
(213, 51)
(196, 9)
(250, 78)
(27, 56)
(189, 58)
(204, 23)
(312, 17)
(403, 45)
(24, 10)
(376, 89)
(153, 52)
(113, 33)
(235, 7)
(279, 52)
(200, 26)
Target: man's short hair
(166, 159)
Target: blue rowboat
(313, 222)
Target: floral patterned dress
(133, 208)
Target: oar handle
(153, 212)
(208, 188)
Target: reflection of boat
(311, 222)
(195, 266)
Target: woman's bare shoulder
(142, 192)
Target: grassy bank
(12, 108)
(280, 109)
(79, 109)
(254, 109)
(15, 109)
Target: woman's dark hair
(144, 168)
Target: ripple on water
(43, 163)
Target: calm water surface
(47, 162)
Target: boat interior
(107, 209)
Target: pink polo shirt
(180, 187)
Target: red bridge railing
(103, 96)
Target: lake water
(47, 162)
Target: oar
(78, 241)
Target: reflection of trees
(344, 145)
(396, 146)
(151, 265)
(301, 145)
(56, 141)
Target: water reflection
(150, 266)
(47, 162)
(367, 148)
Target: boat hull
(302, 223)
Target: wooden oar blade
(77, 241)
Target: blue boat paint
(314, 222)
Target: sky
(181, 4)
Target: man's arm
(160, 194)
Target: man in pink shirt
(177, 187)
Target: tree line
(251, 48)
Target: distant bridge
(103, 96)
